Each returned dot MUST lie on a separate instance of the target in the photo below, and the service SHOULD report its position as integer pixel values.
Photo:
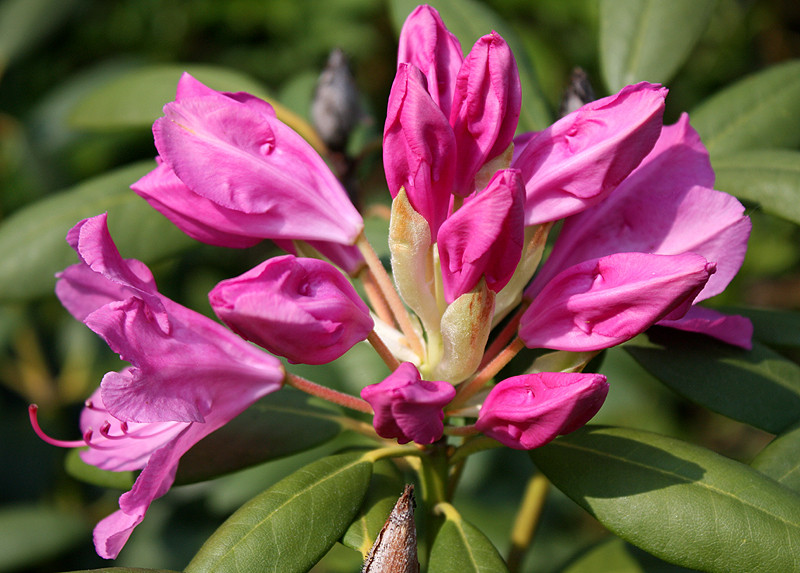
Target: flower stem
(469, 389)
(527, 519)
(375, 296)
(473, 446)
(384, 283)
(509, 330)
(328, 394)
(389, 359)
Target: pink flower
(189, 375)
(486, 108)
(303, 309)
(418, 147)
(580, 159)
(230, 174)
(667, 207)
(484, 238)
(407, 407)
(525, 412)
(604, 302)
(429, 46)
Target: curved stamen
(32, 413)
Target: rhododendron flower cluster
(644, 238)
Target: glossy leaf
(134, 99)
(759, 387)
(769, 177)
(613, 554)
(123, 570)
(33, 240)
(779, 460)
(648, 40)
(678, 501)
(460, 547)
(280, 424)
(469, 20)
(32, 534)
(84, 472)
(24, 23)
(772, 327)
(385, 487)
(291, 525)
(760, 111)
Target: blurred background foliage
(55, 54)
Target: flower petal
(486, 108)
(418, 147)
(603, 302)
(525, 412)
(730, 328)
(484, 237)
(577, 161)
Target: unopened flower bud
(302, 309)
(407, 407)
(525, 412)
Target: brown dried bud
(578, 93)
(395, 549)
(336, 108)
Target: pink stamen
(32, 413)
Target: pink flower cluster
(644, 238)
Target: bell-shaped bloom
(484, 237)
(189, 375)
(303, 309)
(486, 108)
(408, 408)
(418, 147)
(255, 176)
(426, 43)
(580, 159)
(667, 207)
(525, 412)
(604, 302)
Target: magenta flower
(664, 207)
(604, 302)
(427, 44)
(231, 174)
(525, 412)
(408, 408)
(486, 108)
(580, 159)
(484, 238)
(303, 309)
(418, 147)
(189, 375)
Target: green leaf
(135, 98)
(278, 425)
(683, 503)
(779, 460)
(23, 23)
(648, 40)
(80, 470)
(760, 111)
(384, 489)
(469, 20)
(773, 327)
(291, 525)
(33, 241)
(32, 534)
(460, 547)
(759, 387)
(614, 555)
(769, 177)
(123, 570)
